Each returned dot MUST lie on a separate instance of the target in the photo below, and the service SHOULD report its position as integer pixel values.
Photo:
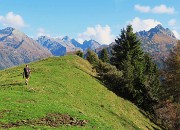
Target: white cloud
(176, 34)
(161, 9)
(172, 22)
(42, 32)
(12, 20)
(99, 33)
(140, 24)
(143, 9)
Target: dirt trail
(53, 120)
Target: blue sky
(101, 20)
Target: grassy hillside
(63, 85)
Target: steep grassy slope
(64, 85)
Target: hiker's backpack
(26, 71)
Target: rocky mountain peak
(158, 42)
(66, 38)
(43, 37)
(90, 44)
(7, 31)
(157, 29)
(160, 29)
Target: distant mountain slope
(17, 48)
(58, 46)
(61, 46)
(76, 43)
(52, 45)
(64, 85)
(66, 42)
(91, 44)
(157, 42)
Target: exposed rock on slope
(158, 42)
(17, 48)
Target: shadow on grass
(84, 71)
(126, 122)
(12, 84)
(153, 119)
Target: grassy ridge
(65, 85)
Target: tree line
(133, 75)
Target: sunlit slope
(64, 85)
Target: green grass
(65, 85)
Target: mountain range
(61, 46)
(17, 48)
(158, 42)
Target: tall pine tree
(128, 57)
(152, 81)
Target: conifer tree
(151, 73)
(104, 55)
(128, 57)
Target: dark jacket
(26, 72)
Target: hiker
(26, 73)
